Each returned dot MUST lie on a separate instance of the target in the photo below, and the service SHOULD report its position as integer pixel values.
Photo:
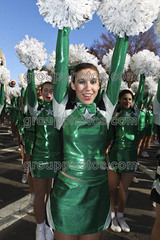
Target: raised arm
(61, 67)
(60, 97)
(117, 66)
(32, 94)
(25, 107)
(149, 101)
(139, 95)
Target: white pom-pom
(4, 75)
(67, 13)
(124, 85)
(22, 80)
(150, 87)
(78, 54)
(15, 92)
(31, 53)
(52, 61)
(145, 62)
(107, 58)
(134, 87)
(128, 17)
(41, 77)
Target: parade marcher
(46, 151)
(123, 152)
(29, 139)
(141, 123)
(149, 131)
(79, 201)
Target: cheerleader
(45, 153)
(79, 204)
(123, 152)
(148, 129)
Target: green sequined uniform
(123, 152)
(149, 123)
(82, 207)
(46, 150)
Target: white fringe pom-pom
(15, 92)
(128, 17)
(107, 58)
(67, 13)
(22, 80)
(79, 54)
(41, 77)
(124, 85)
(150, 87)
(145, 62)
(103, 77)
(52, 61)
(134, 87)
(4, 75)
(31, 53)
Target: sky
(21, 17)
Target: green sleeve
(32, 94)
(22, 92)
(25, 101)
(149, 101)
(139, 95)
(61, 67)
(145, 99)
(1, 97)
(117, 66)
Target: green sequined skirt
(79, 208)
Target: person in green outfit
(148, 130)
(45, 151)
(79, 204)
(123, 152)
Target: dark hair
(125, 91)
(42, 86)
(80, 67)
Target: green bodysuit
(46, 150)
(82, 207)
(124, 127)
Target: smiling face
(126, 101)
(47, 92)
(86, 85)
